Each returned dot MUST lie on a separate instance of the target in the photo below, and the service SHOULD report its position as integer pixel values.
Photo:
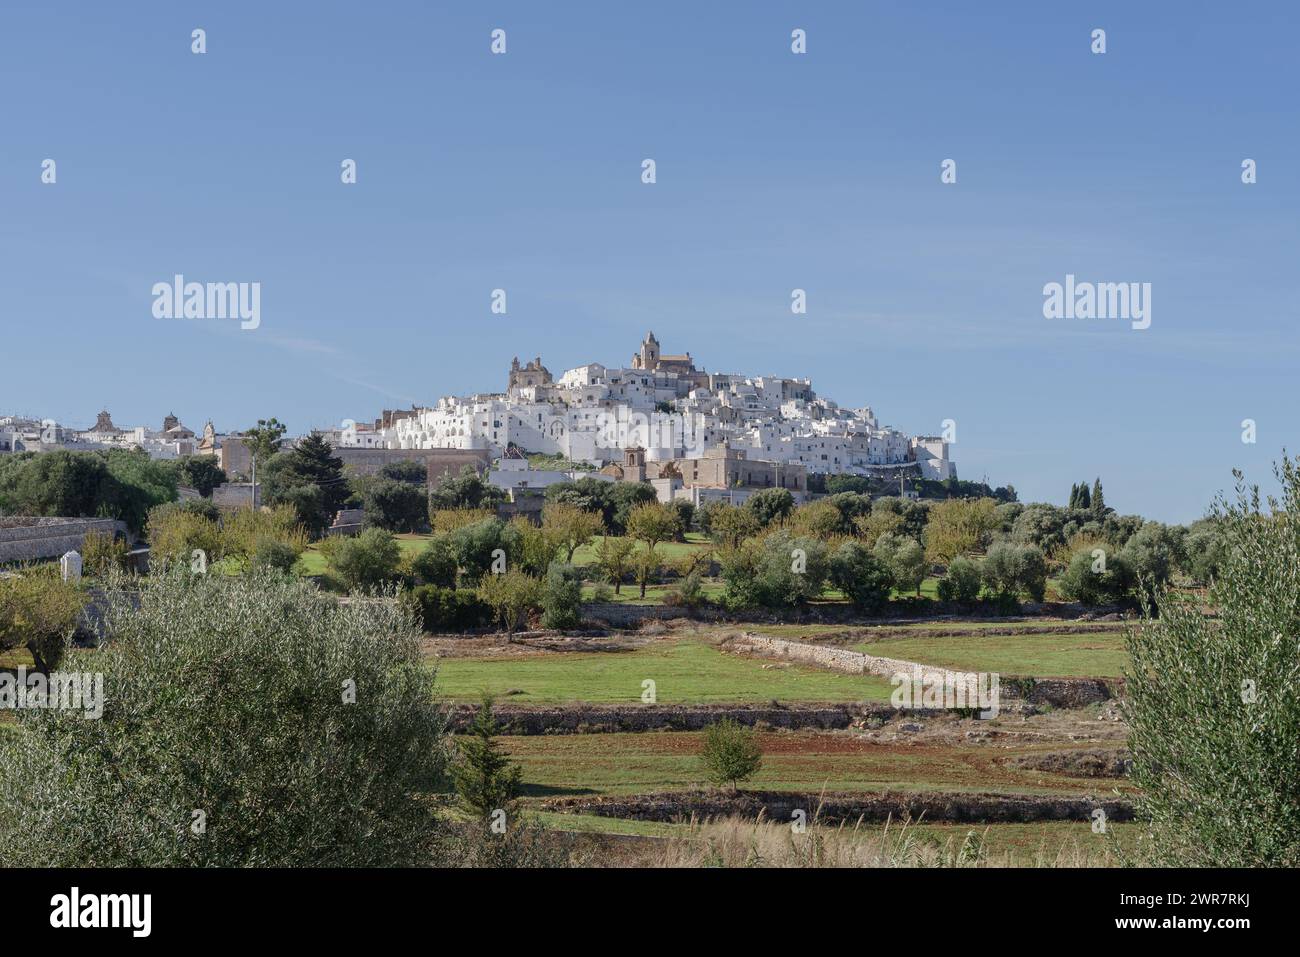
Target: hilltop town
(659, 419)
(662, 416)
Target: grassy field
(1093, 654)
(684, 672)
(646, 762)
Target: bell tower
(648, 357)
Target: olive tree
(248, 721)
(1213, 703)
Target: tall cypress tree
(1098, 500)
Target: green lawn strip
(1093, 654)
(647, 762)
(595, 824)
(684, 672)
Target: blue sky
(775, 171)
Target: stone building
(528, 376)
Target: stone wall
(232, 496)
(832, 808)
(596, 719)
(24, 539)
(1057, 692)
(840, 659)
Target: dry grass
(742, 842)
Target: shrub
(688, 593)
(476, 545)
(512, 596)
(1010, 569)
(962, 583)
(396, 506)
(905, 560)
(778, 571)
(175, 533)
(304, 730)
(731, 753)
(435, 564)
(771, 505)
(102, 551)
(448, 609)
(861, 576)
(486, 780)
(39, 611)
(244, 530)
(1213, 704)
(1095, 580)
(365, 562)
(562, 598)
(271, 554)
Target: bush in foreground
(1213, 705)
(247, 721)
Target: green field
(684, 672)
(1093, 654)
(645, 762)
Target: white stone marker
(70, 565)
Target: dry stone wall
(594, 719)
(832, 808)
(1057, 692)
(25, 539)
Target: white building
(667, 407)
